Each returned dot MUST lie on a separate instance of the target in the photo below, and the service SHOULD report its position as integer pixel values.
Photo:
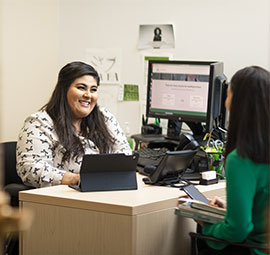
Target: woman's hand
(216, 201)
(70, 178)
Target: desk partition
(135, 222)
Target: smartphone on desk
(195, 194)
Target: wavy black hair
(249, 119)
(93, 126)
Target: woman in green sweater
(247, 165)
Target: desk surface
(149, 138)
(157, 141)
(129, 202)
(154, 138)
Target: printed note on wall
(107, 62)
(131, 92)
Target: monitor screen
(183, 90)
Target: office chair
(197, 236)
(13, 183)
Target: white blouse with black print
(39, 163)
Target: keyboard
(148, 156)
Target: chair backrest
(11, 176)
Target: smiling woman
(82, 98)
(53, 140)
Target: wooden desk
(132, 222)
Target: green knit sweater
(248, 198)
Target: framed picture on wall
(156, 36)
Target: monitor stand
(174, 129)
(175, 126)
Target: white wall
(40, 36)
(29, 60)
(235, 32)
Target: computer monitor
(186, 91)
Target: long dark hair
(249, 120)
(92, 127)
